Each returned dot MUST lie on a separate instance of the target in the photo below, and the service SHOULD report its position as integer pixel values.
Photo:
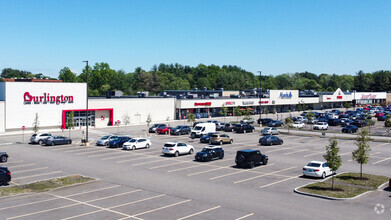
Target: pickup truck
(321, 126)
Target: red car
(164, 130)
(379, 114)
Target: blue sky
(286, 36)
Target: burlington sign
(46, 98)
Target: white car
(39, 138)
(136, 143)
(270, 131)
(298, 124)
(321, 126)
(317, 169)
(177, 148)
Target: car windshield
(266, 129)
(132, 140)
(169, 145)
(197, 128)
(114, 139)
(206, 150)
(105, 137)
(178, 127)
(214, 135)
(313, 164)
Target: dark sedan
(346, 121)
(56, 140)
(270, 140)
(5, 176)
(264, 121)
(206, 138)
(360, 123)
(181, 129)
(229, 127)
(350, 129)
(243, 128)
(382, 118)
(275, 123)
(118, 142)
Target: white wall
(276, 99)
(137, 108)
(217, 103)
(18, 113)
(2, 116)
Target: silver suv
(38, 138)
(270, 131)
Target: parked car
(203, 129)
(118, 141)
(359, 123)
(219, 126)
(270, 140)
(346, 121)
(220, 139)
(243, 128)
(247, 121)
(334, 122)
(136, 143)
(317, 169)
(313, 121)
(321, 126)
(206, 138)
(210, 153)
(5, 176)
(39, 138)
(181, 129)
(298, 124)
(381, 118)
(164, 130)
(275, 123)
(155, 126)
(177, 148)
(250, 158)
(229, 127)
(56, 140)
(379, 114)
(104, 141)
(302, 118)
(270, 131)
(3, 156)
(264, 121)
(350, 129)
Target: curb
(334, 198)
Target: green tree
(387, 124)
(149, 120)
(346, 105)
(70, 122)
(190, 118)
(237, 112)
(66, 75)
(289, 122)
(361, 154)
(224, 111)
(36, 123)
(125, 120)
(333, 158)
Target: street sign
(118, 122)
(23, 127)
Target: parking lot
(144, 184)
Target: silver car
(270, 131)
(104, 141)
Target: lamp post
(86, 141)
(260, 99)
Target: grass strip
(45, 185)
(346, 185)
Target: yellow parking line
(198, 213)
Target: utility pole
(260, 98)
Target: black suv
(209, 153)
(264, 121)
(250, 158)
(5, 176)
(243, 128)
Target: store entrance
(80, 120)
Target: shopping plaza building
(53, 101)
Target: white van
(203, 129)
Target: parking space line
(284, 148)
(46, 200)
(389, 158)
(308, 155)
(167, 165)
(382, 144)
(13, 162)
(374, 153)
(206, 171)
(24, 165)
(132, 159)
(110, 158)
(120, 194)
(198, 213)
(243, 217)
(91, 152)
(41, 168)
(59, 148)
(184, 168)
(154, 161)
(297, 151)
(241, 171)
(100, 155)
(157, 209)
(266, 174)
(42, 211)
(314, 139)
(80, 149)
(137, 201)
(293, 177)
(42, 174)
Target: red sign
(370, 96)
(202, 104)
(46, 98)
(328, 98)
(263, 102)
(339, 97)
(102, 118)
(229, 103)
(23, 127)
(118, 122)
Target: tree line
(179, 77)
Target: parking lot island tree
(149, 120)
(289, 122)
(361, 154)
(70, 123)
(310, 116)
(224, 111)
(333, 158)
(237, 113)
(387, 124)
(190, 118)
(36, 123)
(125, 120)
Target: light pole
(86, 141)
(260, 98)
